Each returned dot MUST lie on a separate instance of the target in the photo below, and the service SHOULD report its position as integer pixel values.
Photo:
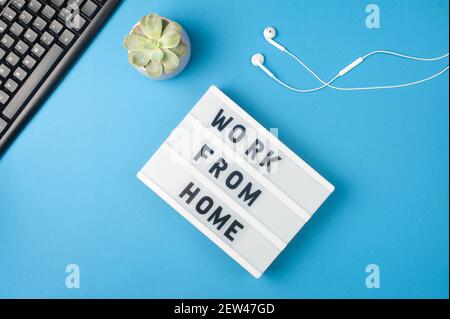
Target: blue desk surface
(68, 186)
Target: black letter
(209, 204)
(218, 168)
(268, 160)
(255, 148)
(187, 191)
(246, 193)
(230, 177)
(201, 153)
(232, 229)
(219, 120)
(241, 135)
(217, 219)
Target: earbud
(270, 33)
(258, 60)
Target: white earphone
(270, 33)
(258, 60)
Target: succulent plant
(156, 45)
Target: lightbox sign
(235, 181)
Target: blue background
(68, 191)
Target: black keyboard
(39, 41)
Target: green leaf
(154, 69)
(152, 26)
(169, 71)
(170, 40)
(180, 50)
(172, 26)
(142, 58)
(156, 54)
(139, 58)
(170, 61)
(138, 30)
(154, 43)
(135, 42)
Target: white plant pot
(184, 60)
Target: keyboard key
(65, 15)
(11, 86)
(7, 41)
(3, 97)
(89, 9)
(48, 12)
(25, 17)
(4, 71)
(66, 38)
(2, 53)
(74, 4)
(38, 50)
(20, 74)
(57, 3)
(3, 26)
(2, 125)
(39, 23)
(21, 47)
(16, 29)
(30, 35)
(47, 38)
(18, 4)
(30, 84)
(78, 22)
(12, 59)
(9, 14)
(29, 62)
(34, 5)
(56, 27)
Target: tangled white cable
(270, 33)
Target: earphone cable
(391, 86)
(405, 56)
(328, 84)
